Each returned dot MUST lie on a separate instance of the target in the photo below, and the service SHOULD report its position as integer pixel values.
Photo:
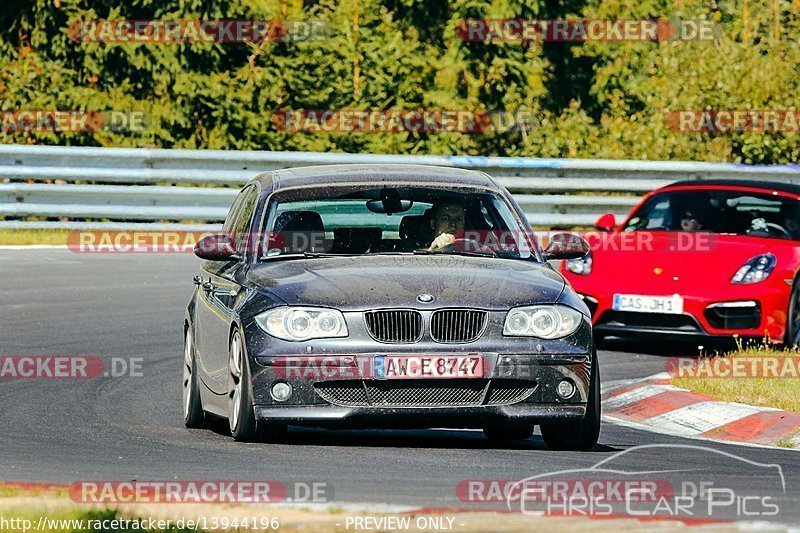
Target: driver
(448, 218)
(690, 222)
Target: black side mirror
(564, 246)
(216, 247)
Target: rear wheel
(193, 415)
(582, 434)
(508, 433)
(241, 416)
(792, 336)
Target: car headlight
(543, 321)
(581, 266)
(302, 323)
(756, 269)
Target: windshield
(720, 211)
(394, 221)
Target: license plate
(427, 367)
(668, 305)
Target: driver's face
(448, 219)
(690, 224)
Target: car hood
(704, 258)
(369, 282)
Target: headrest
(356, 240)
(299, 221)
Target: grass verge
(781, 393)
(20, 237)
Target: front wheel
(241, 416)
(582, 434)
(791, 338)
(193, 415)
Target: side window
(657, 213)
(241, 222)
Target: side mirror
(606, 222)
(563, 246)
(216, 247)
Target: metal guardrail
(118, 185)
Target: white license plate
(430, 367)
(668, 305)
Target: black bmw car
(387, 296)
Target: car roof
(764, 185)
(375, 175)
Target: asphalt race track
(55, 301)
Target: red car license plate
(427, 366)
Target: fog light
(281, 391)
(565, 389)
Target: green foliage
(595, 99)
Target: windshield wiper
(425, 251)
(299, 255)
(473, 254)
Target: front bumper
(340, 391)
(703, 316)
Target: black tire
(582, 434)
(241, 414)
(508, 433)
(791, 338)
(193, 415)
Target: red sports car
(698, 259)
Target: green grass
(781, 393)
(21, 237)
(10, 490)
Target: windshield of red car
(720, 211)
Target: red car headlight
(756, 269)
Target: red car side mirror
(606, 222)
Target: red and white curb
(654, 404)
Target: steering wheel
(762, 226)
(779, 229)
